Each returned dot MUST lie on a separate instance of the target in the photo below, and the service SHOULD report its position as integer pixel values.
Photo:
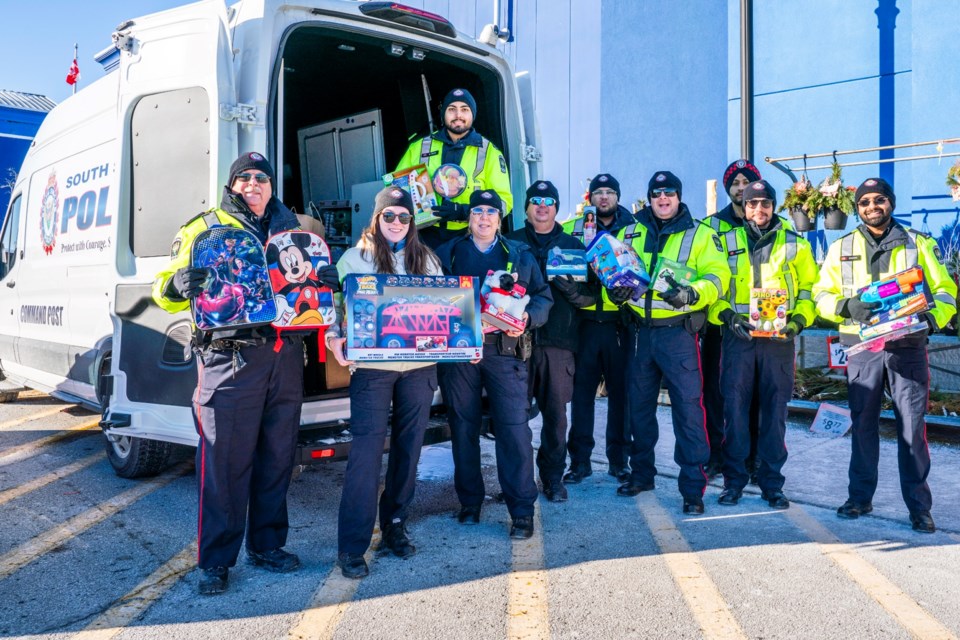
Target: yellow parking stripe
(701, 594)
(329, 602)
(527, 601)
(133, 605)
(29, 551)
(16, 454)
(15, 492)
(911, 616)
(51, 411)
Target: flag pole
(75, 57)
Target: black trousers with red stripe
(248, 421)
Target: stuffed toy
(503, 300)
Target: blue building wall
(17, 128)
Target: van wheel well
(102, 372)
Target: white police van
(330, 90)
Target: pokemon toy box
(768, 312)
(416, 181)
(237, 291)
(412, 318)
(293, 259)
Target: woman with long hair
(389, 245)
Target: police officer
(247, 404)
(600, 353)
(501, 372)
(771, 257)
(663, 338)
(725, 222)
(459, 143)
(875, 250)
(554, 344)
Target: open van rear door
(180, 130)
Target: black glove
(931, 322)
(329, 277)
(188, 282)
(619, 295)
(858, 309)
(565, 285)
(794, 326)
(452, 212)
(679, 295)
(737, 324)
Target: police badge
(49, 205)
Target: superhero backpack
(237, 291)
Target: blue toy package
(617, 265)
(567, 262)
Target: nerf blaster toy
(902, 294)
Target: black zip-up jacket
(523, 263)
(563, 322)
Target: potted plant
(953, 181)
(796, 203)
(833, 201)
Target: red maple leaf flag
(74, 73)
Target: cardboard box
(416, 181)
(768, 311)
(412, 318)
(617, 265)
(681, 273)
(567, 262)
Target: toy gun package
(617, 265)
(901, 297)
(416, 181)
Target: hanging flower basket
(953, 181)
(834, 220)
(833, 199)
(801, 221)
(796, 204)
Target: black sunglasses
(390, 216)
(262, 178)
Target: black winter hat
(605, 180)
(759, 189)
(486, 198)
(745, 167)
(543, 188)
(251, 160)
(664, 180)
(392, 197)
(876, 185)
(459, 95)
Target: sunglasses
(390, 216)
(262, 178)
(656, 193)
(879, 201)
(763, 203)
(547, 202)
(485, 211)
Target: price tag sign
(831, 420)
(836, 353)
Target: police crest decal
(49, 206)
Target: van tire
(137, 457)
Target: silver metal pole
(746, 79)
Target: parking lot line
(133, 605)
(904, 609)
(24, 451)
(697, 588)
(34, 548)
(50, 411)
(321, 617)
(528, 602)
(15, 492)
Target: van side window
(9, 239)
(170, 152)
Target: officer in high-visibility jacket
(600, 351)
(663, 338)
(762, 254)
(724, 222)
(874, 251)
(459, 143)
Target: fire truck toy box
(416, 181)
(502, 307)
(412, 318)
(567, 262)
(617, 265)
(768, 311)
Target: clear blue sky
(37, 38)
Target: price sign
(836, 353)
(831, 420)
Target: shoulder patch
(938, 254)
(503, 164)
(716, 242)
(175, 248)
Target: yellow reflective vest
(780, 259)
(683, 240)
(853, 262)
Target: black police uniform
(552, 362)
(601, 352)
(502, 374)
